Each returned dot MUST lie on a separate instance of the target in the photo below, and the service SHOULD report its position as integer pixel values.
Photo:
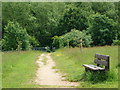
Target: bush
(72, 39)
(33, 41)
(55, 41)
(116, 42)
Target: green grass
(19, 70)
(0, 70)
(70, 61)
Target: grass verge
(70, 61)
(18, 70)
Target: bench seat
(93, 67)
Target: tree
(42, 21)
(75, 16)
(39, 19)
(103, 29)
(105, 8)
(15, 36)
(20, 12)
(47, 17)
(118, 7)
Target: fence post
(19, 46)
(18, 49)
(81, 45)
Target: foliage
(118, 7)
(105, 8)
(43, 21)
(39, 19)
(19, 12)
(103, 29)
(75, 16)
(116, 42)
(55, 41)
(72, 39)
(33, 41)
(15, 35)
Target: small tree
(72, 39)
(15, 36)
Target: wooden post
(19, 44)
(108, 65)
(18, 49)
(68, 43)
(81, 44)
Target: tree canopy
(15, 35)
(40, 22)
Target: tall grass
(18, 70)
(71, 60)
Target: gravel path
(46, 75)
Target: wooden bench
(102, 61)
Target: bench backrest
(102, 60)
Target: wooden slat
(105, 63)
(93, 67)
(99, 56)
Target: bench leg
(86, 69)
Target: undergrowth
(98, 77)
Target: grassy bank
(70, 61)
(18, 70)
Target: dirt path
(46, 75)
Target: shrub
(55, 41)
(33, 41)
(72, 39)
(116, 42)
